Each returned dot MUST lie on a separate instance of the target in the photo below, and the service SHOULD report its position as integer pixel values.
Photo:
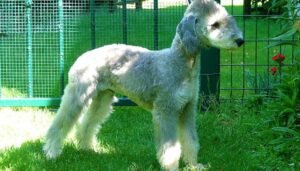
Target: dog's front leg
(168, 146)
(188, 134)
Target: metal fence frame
(30, 100)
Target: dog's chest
(189, 87)
(187, 91)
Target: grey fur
(165, 82)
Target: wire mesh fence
(41, 39)
(35, 44)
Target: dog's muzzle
(239, 42)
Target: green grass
(126, 142)
(232, 138)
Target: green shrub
(284, 112)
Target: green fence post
(155, 26)
(28, 4)
(93, 24)
(61, 44)
(0, 83)
(124, 20)
(210, 76)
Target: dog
(165, 82)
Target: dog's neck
(178, 48)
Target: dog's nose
(239, 42)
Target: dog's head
(207, 23)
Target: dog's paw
(51, 152)
(87, 145)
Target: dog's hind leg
(165, 121)
(97, 113)
(188, 134)
(73, 101)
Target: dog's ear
(187, 34)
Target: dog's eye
(216, 25)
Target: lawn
(231, 137)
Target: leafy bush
(284, 111)
(290, 20)
(284, 108)
(287, 101)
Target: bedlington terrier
(165, 82)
